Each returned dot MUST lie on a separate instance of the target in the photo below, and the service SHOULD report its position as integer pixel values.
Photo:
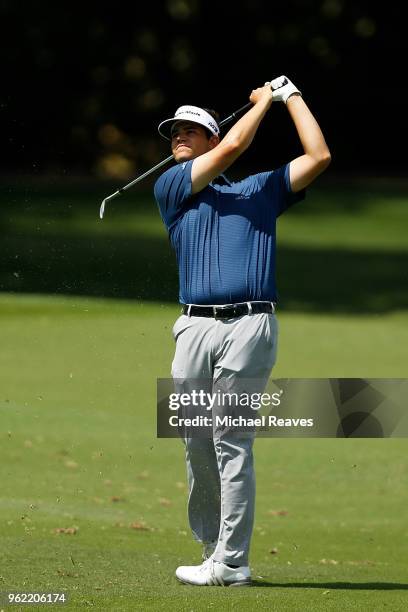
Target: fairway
(93, 504)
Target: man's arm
(304, 169)
(209, 165)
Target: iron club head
(102, 209)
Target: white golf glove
(282, 89)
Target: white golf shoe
(214, 573)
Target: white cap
(195, 114)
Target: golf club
(165, 161)
(160, 164)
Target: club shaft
(234, 114)
(142, 176)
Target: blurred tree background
(84, 85)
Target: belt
(228, 311)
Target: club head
(102, 209)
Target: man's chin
(183, 156)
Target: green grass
(78, 412)
(78, 429)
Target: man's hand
(207, 166)
(262, 94)
(282, 89)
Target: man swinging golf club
(224, 237)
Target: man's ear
(214, 140)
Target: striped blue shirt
(225, 235)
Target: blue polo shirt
(225, 235)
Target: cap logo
(187, 112)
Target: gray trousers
(220, 468)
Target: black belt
(228, 311)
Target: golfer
(224, 236)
